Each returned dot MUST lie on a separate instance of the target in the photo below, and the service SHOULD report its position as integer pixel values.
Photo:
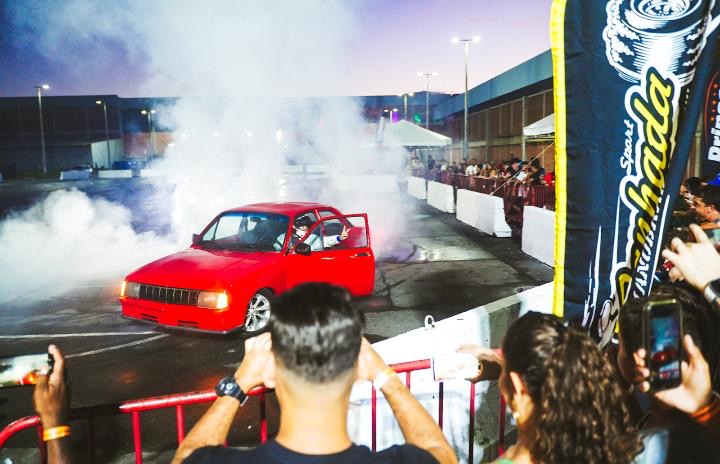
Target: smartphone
(662, 338)
(23, 370)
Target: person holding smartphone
(51, 399)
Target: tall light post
(405, 96)
(149, 114)
(457, 40)
(107, 131)
(390, 113)
(427, 75)
(39, 89)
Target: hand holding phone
(662, 336)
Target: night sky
(394, 41)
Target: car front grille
(169, 295)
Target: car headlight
(130, 289)
(213, 300)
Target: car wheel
(257, 316)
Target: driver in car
(317, 242)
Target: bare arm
(417, 426)
(51, 398)
(256, 368)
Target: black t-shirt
(273, 453)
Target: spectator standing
(707, 207)
(563, 396)
(312, 356)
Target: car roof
(282, 207)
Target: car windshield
(246, 231)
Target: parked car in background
(229, 277)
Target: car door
(349, 263)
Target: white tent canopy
(543, 127)
(406, 134)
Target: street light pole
(107, 131)
(149, 114)
(427, 95)
(39, 89)
(405, 96)
(455, 40)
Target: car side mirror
(303, 249)
(195, 239)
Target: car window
(326, 213)
(227, 226)
(327, 234)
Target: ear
(518, 384)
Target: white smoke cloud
(69, 238)
(234, 63)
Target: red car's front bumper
(182, 316)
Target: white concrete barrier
(441, 196)
(317, 171)
(417, 187)
(484, 326)
(75, 175)
(115, 174)
(365, 183)
(153, 173)
(483, 212)
(538, 234)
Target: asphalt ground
(440, 267)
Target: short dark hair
(694, 185)
(316, 332)
(711, 196)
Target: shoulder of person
(403, 454)
(222, 454)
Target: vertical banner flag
(710, 147)
(630, 79)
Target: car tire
(257, 315)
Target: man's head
(707, 204)
(316, 333)
(515, 163)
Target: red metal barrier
(179, 401)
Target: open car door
(347, 262)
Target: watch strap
(712, 291)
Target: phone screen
(23, 370)
(664, 350)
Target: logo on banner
(712, 124)
(655, 45)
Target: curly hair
(578, 410)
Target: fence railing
(179, 401)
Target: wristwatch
(228, 386)
(712, 291)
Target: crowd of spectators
(571, 401)
(525, 172)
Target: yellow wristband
(384, 376)
(54, 433)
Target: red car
(229, 276)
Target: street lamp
(149, 114)
(39, 89)
(390, 113)
(405, 96)
(427, 75)
(457, 40)
(107, 130)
